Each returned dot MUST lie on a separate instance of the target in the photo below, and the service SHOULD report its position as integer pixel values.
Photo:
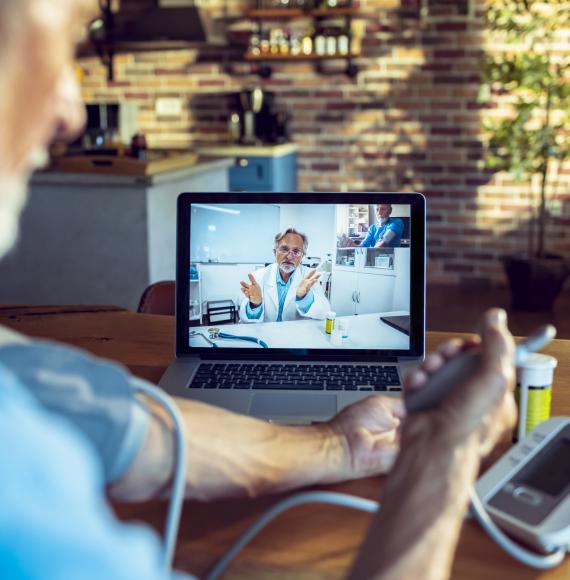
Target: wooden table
(309, 542)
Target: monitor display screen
(549, 472)
(299, 276)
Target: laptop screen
(301, 277)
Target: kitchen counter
(236, 150)
(99, 177)
(100, 238)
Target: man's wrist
(316, 455)
(334, 462)
(430, 444)
(150, 474)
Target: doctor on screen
(285, 290)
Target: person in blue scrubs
(387, 233)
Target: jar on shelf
(283, 42)
(275, 40)
(255, 44)
(343, 44)
(320, 44)
(264, 44)
(331, 43)
(295, 43)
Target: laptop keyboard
(297, 377)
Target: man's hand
(307, 283)
(427, 492)
(483, 405)
(369, 432)
(252, 291)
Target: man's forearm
(426, 495)
(233, 455)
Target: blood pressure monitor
(527, 492)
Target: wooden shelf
(290, 13)
(283, 13)
(333, 12)
(297, 58)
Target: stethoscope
(215, 334)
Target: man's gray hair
(281, 235)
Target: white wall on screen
(222, 281)
(318, 222)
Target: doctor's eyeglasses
(284, 250)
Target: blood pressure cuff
(96, 396)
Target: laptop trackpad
(293, 405)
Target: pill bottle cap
(538, 361)
(330, 314)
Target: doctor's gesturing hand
(252, 291)
(307, 283)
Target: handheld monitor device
(463, 366)
(527, 492)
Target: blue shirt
(282, 288)
(54, 521)
(377, 232)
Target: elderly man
(389, 231)
(54, 521)
(285, 290)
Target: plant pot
(535, 282)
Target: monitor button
(509, 488)
(526, 496)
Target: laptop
(280, 300)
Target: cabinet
(195, 297)
(271, 168)
(273, 174)
(123, 232)
(364, 280)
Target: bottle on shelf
(331, 48)
(274, 40)
(343, 44)
(264, 44)
(307, 42)
(320, 44)
(295, 43)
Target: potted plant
(531, 78)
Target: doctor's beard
(383, 221)
(13, 198)
(287, 268)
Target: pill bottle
(533, 392)
(329, 322)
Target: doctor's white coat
(266, 278)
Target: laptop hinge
(219, 354)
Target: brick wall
(411, 120)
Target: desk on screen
(366, 331)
